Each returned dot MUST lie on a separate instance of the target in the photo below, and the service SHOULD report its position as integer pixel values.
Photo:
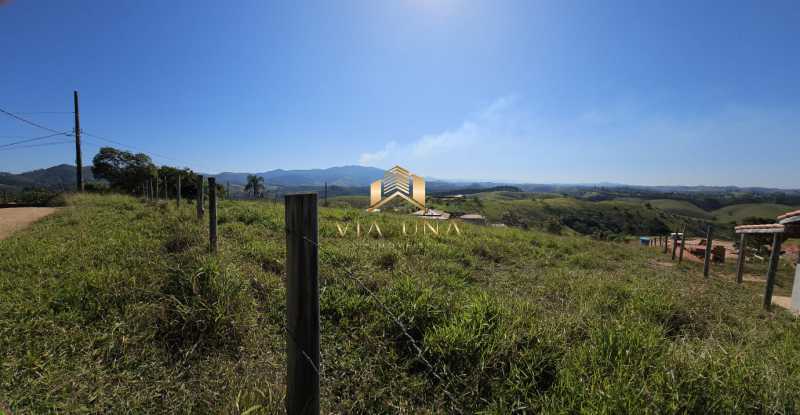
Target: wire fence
(420, 355)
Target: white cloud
(480, 134)
(369, 159)
(433, 144)
(476, 132)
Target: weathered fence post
(228, 190)
(683, 245)
(740, 260)
(796, 286)
(178, 198)
(666, 244)
(302, 304)
(212, 213)
(709, 246)
(674, 244)
(774, 257)
(157, 194)
(200, 197)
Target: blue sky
(639, 92)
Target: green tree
(123, 170)
(255, 184)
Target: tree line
(126, 172)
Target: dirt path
(14, 219)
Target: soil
(14, 219)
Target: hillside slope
(58, 177)
(113, 305)
(760, 210)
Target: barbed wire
(420, 354)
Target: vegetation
(123, 170)
(737, 213)
(255, 185)
(129, 173)
(613, 219)
(114, 305)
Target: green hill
(680, 207)
(604, 219)
(115, 306)
(760, 210)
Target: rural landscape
(400, 207)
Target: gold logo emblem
(395, 183)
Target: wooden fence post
(740, 260)
(709, 247)
(302, 305)
(674, 244)
(666, 244)
(200, 198)
(178, 198)
(774, 258)
(683, 245)
(157, 187)
(212, 213)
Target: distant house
(473, 218)
(431, 214)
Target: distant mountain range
(344, 176)
(55, 178)
(356, 180)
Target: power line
(29, 122)
(37, 145)
(129, 146)
(34, 139)
(43, 112)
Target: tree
(254, 184)
(123, 170)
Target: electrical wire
(129, 146)
(29, 122)
(38, 145)
(43, 112)
(66, 133)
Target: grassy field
(761, 210)
(680, 207)
(114, 306)
(603, 219)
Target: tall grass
(114, 305)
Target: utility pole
(78, 161)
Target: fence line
(350, 274)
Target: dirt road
(14, 219)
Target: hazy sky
(639, 92)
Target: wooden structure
(788, 226)
(791, 222)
